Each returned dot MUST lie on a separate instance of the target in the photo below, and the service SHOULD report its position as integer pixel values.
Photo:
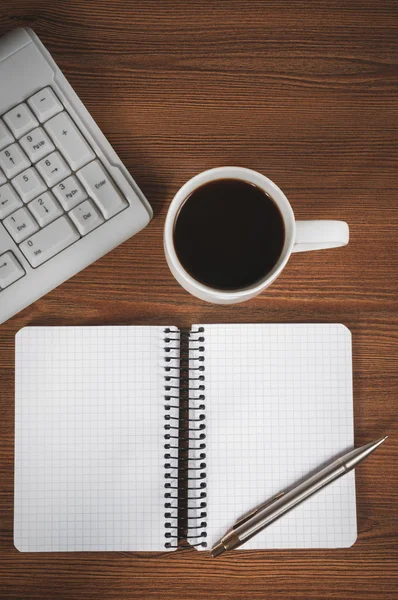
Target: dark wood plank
(307, 94)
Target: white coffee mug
(299, 235)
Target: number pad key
(2, 178)
(45, 104)
(53, 169)
(45, 209)
(100, 187)
(20, 120)
(10, 270)
(69, 192)
(13, 160)
(49, 241)
(37, 144)
(20, 225)
(29, 184)
(69, 141)
(5, 136)
(9, 201)
(86, 217)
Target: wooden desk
(305, 92)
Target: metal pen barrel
(289, 500)
(266, 514)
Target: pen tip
(381, 440)
(217, 550)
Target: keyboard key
(5, 136)
(13, 160)
(45, 209)
(3, 178)
(45, 104)
(20, 120)
(10, 270)
(86, 217)
(29, 184)
(69, 141)
(53, 169)
(101, 189)
(69, 192)
(37, 144)
(49, 241)
(9, 201)
(20, 225)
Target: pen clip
(256, 510)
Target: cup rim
(250, 176)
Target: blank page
(89, 437)
(278, 406)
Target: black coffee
(229, 234)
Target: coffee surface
(229, 234)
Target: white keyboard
(65, 197)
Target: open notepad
(101, 448)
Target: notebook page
(89, 437)
(278, 406)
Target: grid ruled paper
(89, 456)
(278, 406)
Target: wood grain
(305, 92)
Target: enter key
(101, 189)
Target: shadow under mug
(300, 236)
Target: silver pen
(279, 505)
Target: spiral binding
(196, 427)
(184, 437)
(171, 367)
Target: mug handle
(316, 235)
